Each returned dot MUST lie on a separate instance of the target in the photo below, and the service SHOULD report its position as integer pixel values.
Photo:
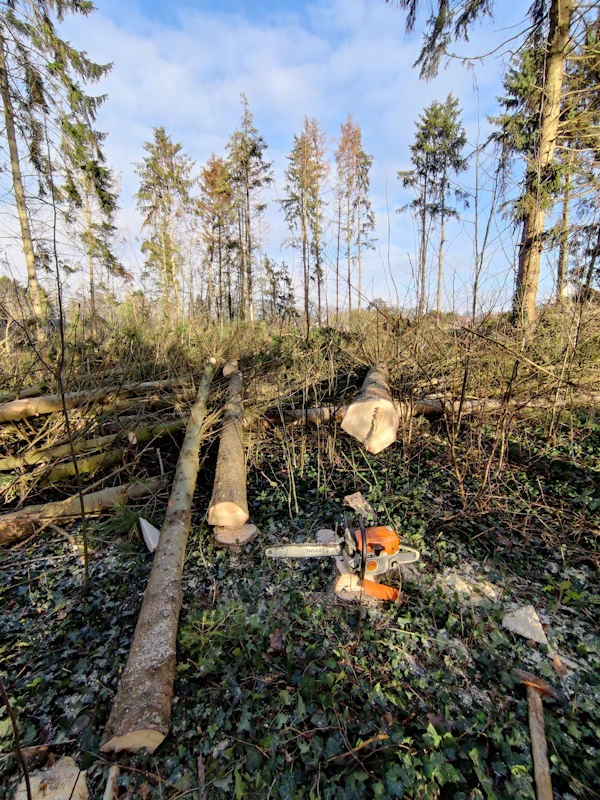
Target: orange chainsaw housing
(378, 539)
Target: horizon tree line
(201, 232)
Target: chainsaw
(366, 552)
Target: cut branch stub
(141, 712)
(372, 417)
(228, 506)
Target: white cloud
(328, 59)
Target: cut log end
(348, 587)
(227, 515)
(230, 368)
(373, 422)
(232, 537)
(134, 741)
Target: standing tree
(216, 218)
(577, 140)
(437, 153)
(163, 198)
(89, 187)
(249, 174)
(40, 76)
(296, 207)
(304, 205)
(452, 20)
(319, 170)
(356, 220)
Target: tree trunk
(372, 417)
(358, 253)
(441, 255)
(18, 524)
(530, 249)
(33, 286)
(423, 255)
(348, 249)
(88, 219)
(228, 507)
(564, 236)
(249, 255)
(305, 264)
(337, 263)
(141, 711)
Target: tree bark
(50, 403)
(18, 524)
(228, 507)
(530, 249)
(141, 711)
(33, 286)
(372, 417)
(88, 217)
(561, 271)
(441, 253)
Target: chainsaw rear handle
(380, 591)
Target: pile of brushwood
(280, 690)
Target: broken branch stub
(141, 711)
(228, 506)
(372, 417)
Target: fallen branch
(18, 524)
(141, 711)
(50, 403)
(43, 455)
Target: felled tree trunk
(50, 403)
(228, 506)
(18, 524)
(141, 711)
(372, 417)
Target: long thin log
(141, 711)
(43, 455)
(50, 403)
(228, 507)
(18, 524)
(372, 417)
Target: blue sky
(183, 65)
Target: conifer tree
(577, 141)
(164, 198)
(304, 205)
(90, 190)
(249, 172)
(41, 76)
(216, 215)
(436, 154)
(452, 19)
(296, 207)
(356, 219)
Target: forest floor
(283, 692)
